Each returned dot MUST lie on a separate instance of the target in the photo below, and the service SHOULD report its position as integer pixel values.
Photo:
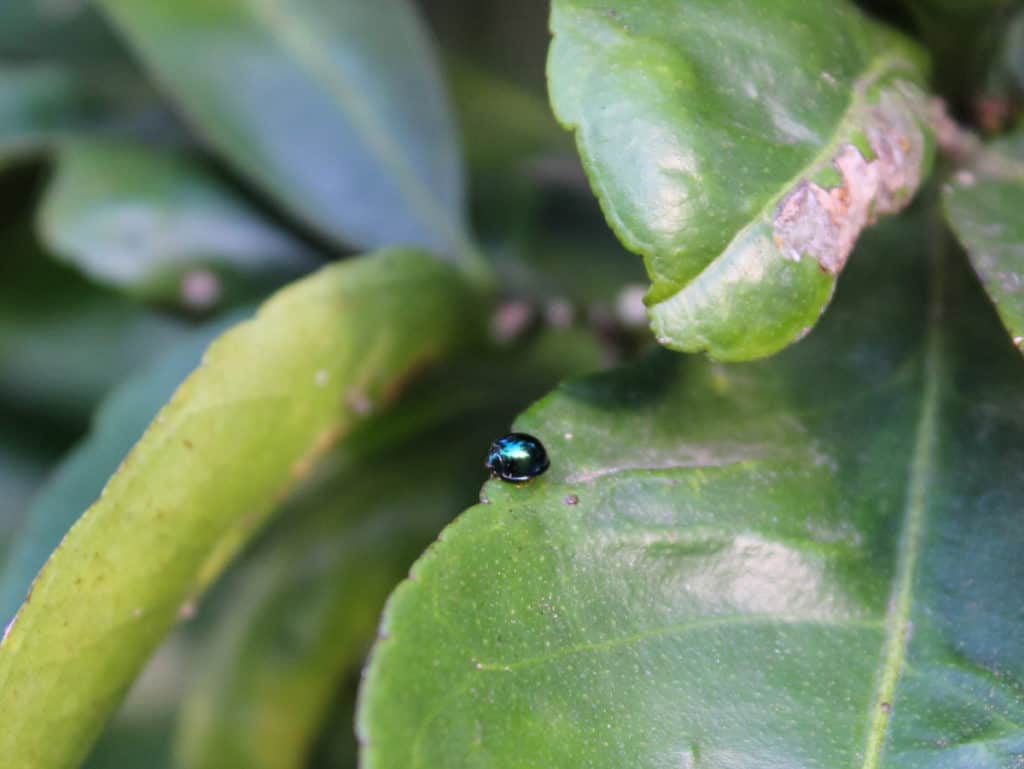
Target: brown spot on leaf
(824, 223)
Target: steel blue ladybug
(516, 458)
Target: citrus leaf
(309, 603)
(335, 109)
(152, 222)
(740, 566)
(983, 204)
(741, 149)
(80, 477)
(269, 398)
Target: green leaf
(150, 221)
(79, 479)
(336, 109)
(740, 566)
(983, 204)
(740, 148)
(269, 398)
(310, 602)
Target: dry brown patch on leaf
(824, 223)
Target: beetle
(517, 457)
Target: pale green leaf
(80, 477)
(269, 398)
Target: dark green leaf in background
(271, 396)
(335, 108)
(39, 103)
(69, 31)
(984, 203)
(64, 343)
(967, 41)
(27, 450)
(742, 159)
(150, 222)
(741, 566)
(503, 124)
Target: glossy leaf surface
(741, 148)
(985, 206)
(741, 566)
(150, 222)
(271, 396)
(335, 109)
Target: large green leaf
(741, 148)
(335, 108)
(741, 566)
(79, 479)
(269, 398)
(150, 222)
(310, 602)
(984, 203)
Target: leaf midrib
(922, 466)
(879, 67)
(307, 48)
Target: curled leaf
(741, 149)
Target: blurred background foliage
(127, 246)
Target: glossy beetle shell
(516, 458)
